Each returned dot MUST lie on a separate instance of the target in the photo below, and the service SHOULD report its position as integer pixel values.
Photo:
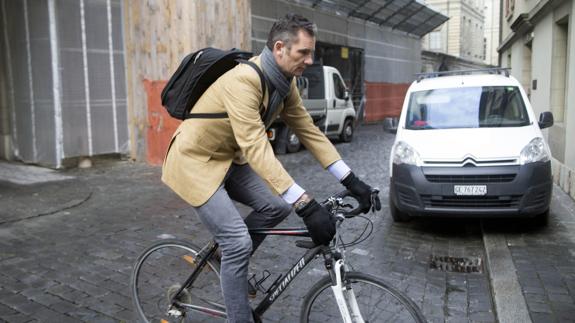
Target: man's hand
(362, 192)
(318, 220)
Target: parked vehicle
(327, 100)
(468, 144)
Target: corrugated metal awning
(409, 16)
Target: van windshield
(467, 107)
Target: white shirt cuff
(293, 193)
(339, 169)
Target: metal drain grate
(456, 265)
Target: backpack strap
(262, 80)
(225, 114)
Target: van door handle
(334, 103)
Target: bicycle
(176, 295)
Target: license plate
(272, 134)
(470, 189)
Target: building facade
(492, 15)
(463, 34)
(538, 45)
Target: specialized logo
(293, 272)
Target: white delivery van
(468, 144)
(328, 102)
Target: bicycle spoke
(376, 303)
(160, 274)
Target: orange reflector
(270, 134)
(163, 321)
(189, 259)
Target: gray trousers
(230, 231)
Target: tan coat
(202, 150)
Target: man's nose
(308, 60)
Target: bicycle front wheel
(158, 275)
(376, 301)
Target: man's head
(292, 42)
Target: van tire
(347, 131)
(293, 144)
(396, 214)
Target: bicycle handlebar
(336, 201)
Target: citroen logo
(469, 160)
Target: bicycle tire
(158, 273)
(320, 305)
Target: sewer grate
(456, 264)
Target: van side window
(338, 87)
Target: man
(211, 162)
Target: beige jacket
(202, 150)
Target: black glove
(362, 192)
(319, 222)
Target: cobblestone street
(67, 247)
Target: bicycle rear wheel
(377, 301)
(159, 273)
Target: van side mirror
(545, 120)
(346, 95)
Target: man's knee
(238, 246)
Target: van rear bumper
(511, 191)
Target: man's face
(293, 61)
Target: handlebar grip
(357, 210)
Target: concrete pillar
(158, 34)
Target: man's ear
(279, 46)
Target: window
(435, 40)
(338, 87)
(467, 107)
(314, 74)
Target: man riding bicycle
(212, 162)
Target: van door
(338, 104)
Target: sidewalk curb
(509, 302)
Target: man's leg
(245, 186)
(225, 223)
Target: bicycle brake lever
(375, 200)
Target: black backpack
(196, 73)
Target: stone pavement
(67, 247)
(544, 260)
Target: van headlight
(534, 151)
(405, 154)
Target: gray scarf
(280, 84)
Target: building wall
(391, 58)
(5, 123)
(472, 30)
(552, 67)
(63, 89)
(462, 35)
(158, 34)
(492, 14)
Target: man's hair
(287, 28)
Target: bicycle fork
(344, 296)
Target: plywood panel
(158, 34)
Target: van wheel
(293, 143)
(396, 214)
(347, 131)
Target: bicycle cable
(362, 236)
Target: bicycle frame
(279, 287)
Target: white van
(468, 144)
